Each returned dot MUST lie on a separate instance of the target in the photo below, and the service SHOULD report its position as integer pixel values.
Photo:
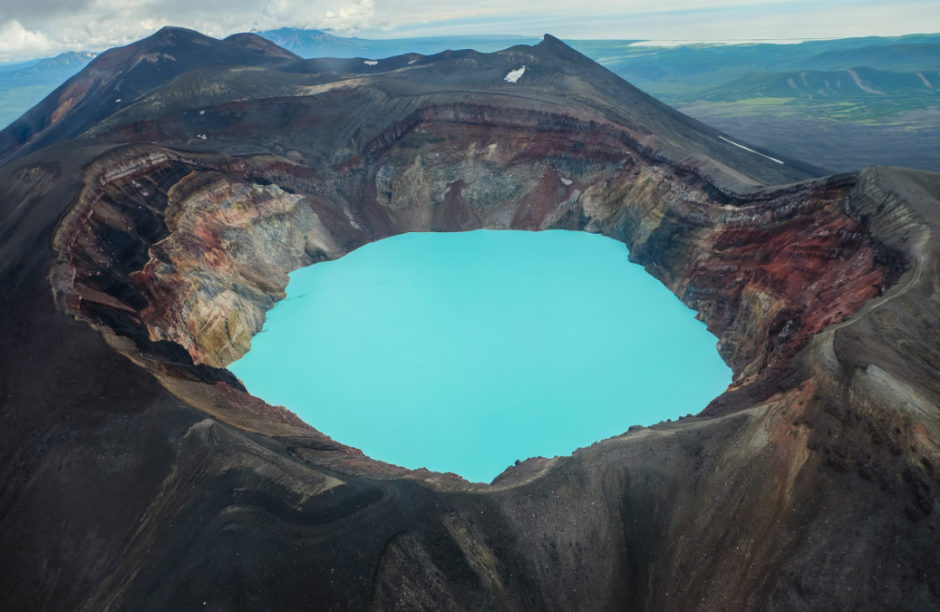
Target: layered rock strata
(765, 271)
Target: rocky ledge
(139, 474)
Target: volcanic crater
(175, 219)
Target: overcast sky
(38, 28)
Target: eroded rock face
(221, 264)
(138, 474)
(766, 270)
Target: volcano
(153, 205)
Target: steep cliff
(139, 258)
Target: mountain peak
(556, 47)
(259, 43)
(119, 76)
(170, 30)
(176, 35)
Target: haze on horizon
(41, 28)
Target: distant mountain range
(24, 84)
(840, 104)
(834, 84)
(901, 57)
(316, 43)
(64, 63)
(697, 67)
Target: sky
(40, 28)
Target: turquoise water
(463, 352)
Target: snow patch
(863, 86)
(202, 112)
(566, 181)
(741, 146)
(201, 137)
(118, 101)
(412, 61)
(514, 75)
(313, 90)
(370, 62)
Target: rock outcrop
(138, 473)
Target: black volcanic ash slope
(142, 240)
(118, 77)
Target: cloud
(51, 26)
(355, 16)
(15, 40)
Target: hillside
(851, 84)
